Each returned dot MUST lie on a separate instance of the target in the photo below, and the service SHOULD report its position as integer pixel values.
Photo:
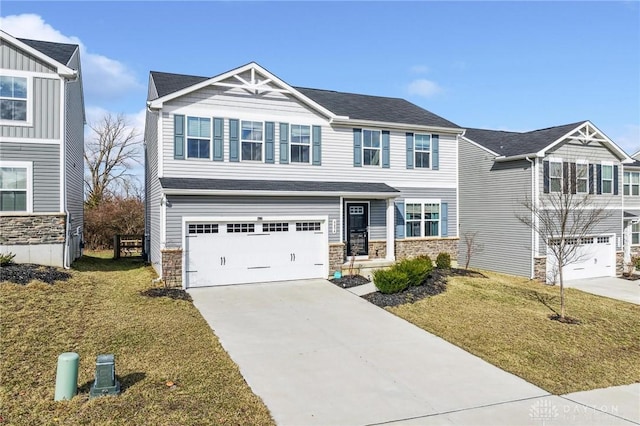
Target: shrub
(112, 216)
(416, 269)
(425, 258)
(443, 261)
(636, 261)
(6, 258)
(389, 281)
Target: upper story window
(300, 143)
(198, 137)
(252, 140)
(15, 186)
(14, 93)
(422, 151)
(607, 179)
(635, 234)
(371, 147)
(422, 219)
(582, 178)
(555, 176)
(631, 183)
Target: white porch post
(626, 243)
(391, 230)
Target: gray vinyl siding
(491, 196)
(74, 161)
(153, 190)
(337, 143)
(14, 58)
(446, 195)
(45, 110)
(46, 171)
(378, 220)
(209, 206)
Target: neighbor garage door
(237, 252)
(596, 258)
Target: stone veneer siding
(172, 267)
(377, 249)
(23, 229)
(413, 247)
(540, 268)
(336, 257)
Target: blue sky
(499, 65)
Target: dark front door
(357, 229)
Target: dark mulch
(24, 273)
(632, 277)
(565, 320)
(435, 283)
(172, 293)
(348, 281)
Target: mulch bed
(172, 293)
(435, 283)
(348, 281)
(24, 273)
(632, 277)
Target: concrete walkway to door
(319, 355)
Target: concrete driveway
(611, 287)
(319, 355)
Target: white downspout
(63, 179)
(534, 205)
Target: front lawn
(504, 320)
(156, 340)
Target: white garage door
(596, 258)
(221, 253)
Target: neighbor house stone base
(34, 237)
(336, 257)
(540, 268)
(172, 267)
(414, 247)
(619, 262)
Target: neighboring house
(499, 171)
(631, 193)
(250, 179)
(41, 151)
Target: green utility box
(106, 382)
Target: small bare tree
(471, 245)
(109, 155)
(565, 220)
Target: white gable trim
(61, 68)
(587, 133)
(255, 86)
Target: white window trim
(634, 245)
(422, 202)
(631, 184)
(415, 151)
(586, 177)
(556, 160)
(379, 165)
(262, 142)
(291, 143)
(29, 166)
(29, 77)
(602, 179)
(187, 137)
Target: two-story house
(41, 151)
(503, 173)
(631, 193)
(251, 179)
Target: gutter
(527, 157)
(383, 195)
(396, 126)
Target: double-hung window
(198, 137)
(371, 147)
(15, 186)
(300, 143)
(14, 95)
(607, 179)
(252, 140)
(422, 218)
(631, 183)
(555, 176)
(582, 178)
(422, 151)
(635, 234)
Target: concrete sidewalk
(319, 355)
(611, 287)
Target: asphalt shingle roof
(61, 52)
(355, 106)
(275, 185)
(509, 144)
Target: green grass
(155, 340)
(504, 320)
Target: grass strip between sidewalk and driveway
(505, 320)
(171, 366)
